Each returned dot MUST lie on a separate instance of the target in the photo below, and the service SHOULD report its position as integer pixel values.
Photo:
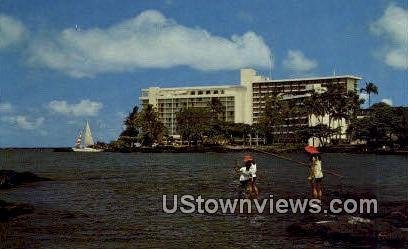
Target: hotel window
(222, 91)
(215, 91)
(208, 92)
(200, 92)
(192, 93)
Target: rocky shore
(388, 225)
(10, 179)
(11, 210)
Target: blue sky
(64, 62)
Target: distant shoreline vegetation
(352, 149)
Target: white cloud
(387, 101)
(296, 61)
(11, 31)
(393, 26)
(83, 108)
(5, 107)
(149, 40)
(397, 58)
(23, 122)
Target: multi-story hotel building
(243, 102)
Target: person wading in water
(316, 174)
(247, 178)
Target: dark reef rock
(11, 210)
(10, 178)
(389, 224)
(350, 228)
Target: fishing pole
(295, 161)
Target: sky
(65, 62)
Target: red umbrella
(311, 150)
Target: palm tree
(370, 88)
(289, 111)
(341, 112)
(271, 117)
(193, 123)
(336, 104)
(131, 132)
(353, 106)
(152, 129)
(316, 106)
(216, 107)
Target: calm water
(112, 200)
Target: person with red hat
(316, 174)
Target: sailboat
(86, 136)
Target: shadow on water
(113, 200)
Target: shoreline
(222, 149)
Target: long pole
(295, 161)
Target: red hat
(248, 158)
(311, 150)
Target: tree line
(383, 126)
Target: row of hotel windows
(167, 119)
(257, 88)
(200, 92)
(191, 101)
(296, 85)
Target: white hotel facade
(243, 102)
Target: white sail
(85, 141)
(88, 140)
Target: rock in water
(350, 228)
(10, 178)
(11, 210)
